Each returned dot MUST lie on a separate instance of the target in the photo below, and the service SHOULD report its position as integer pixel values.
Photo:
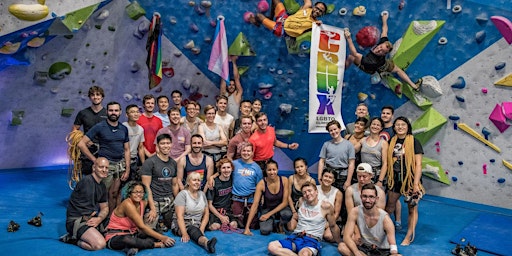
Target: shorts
(115, 171)
(301, 242)
(388, 66)
(82, 228)
(369, 251)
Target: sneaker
(418, 85)
(66, 238)
(13, 226)
(470, 250)
(210, 245)
(36, 221)
(132, 251)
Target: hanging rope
(75, 164)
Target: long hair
(128, 188)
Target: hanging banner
(327, 65)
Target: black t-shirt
(86, 197)
(221, 193)
(88, 118)
(399, 151)
(161, 174)
(371, 62)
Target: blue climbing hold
(480, 36)
(454, 117)
(305, 45)
(460, 98)
(454, 178)
(500, 66)
(501, 180)
(460, 83)
(492, 160)
(461, 163)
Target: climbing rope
(75, 164)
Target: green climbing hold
(67, 112)
(16, 117)
(59, 70)
(134, 10)
(241, 47)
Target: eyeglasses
(138, 192)
(318, 9)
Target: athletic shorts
(301, 243)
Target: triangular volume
(75, 20)
(241, 47)
(242, 69)
(505, 81)
(433, 169)
(416, 37)
(503, 25)
(427, 125)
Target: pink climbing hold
(367, 36)
(263, 6)
(484, 90)
(507, 109)
(504, 26)
(247, 16)
(484, 168)
(498, 118)
(267, 96)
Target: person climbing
(375, 60)
(293, 25)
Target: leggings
(192, 231)
(137, 240)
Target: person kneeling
(127, 230)
(191, 214)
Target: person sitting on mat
(191, 214)
(273, 191)
(219, 198)
(127, 230)
(375, 60)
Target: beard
(197, 149)
(113, 118)
(368, 206)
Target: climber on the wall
(375, 60)
(293, 25)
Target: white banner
(327, 57)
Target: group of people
(179, 170)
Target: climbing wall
(38, 111)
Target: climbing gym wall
(44, 84)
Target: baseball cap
(364, 167)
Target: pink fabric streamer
(219, 61)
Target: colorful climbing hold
(442, 40)
(367, 36)
(457, 8)
(500, 66)
(460, 83)
(484, 90)
(343, 11)
(501, 180)
(461, 163)
(359, 11)
(263, 6)
(454, 178)
(480, 36)
(454, 117)
(59, 70)
(484, 168)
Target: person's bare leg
(404, 77)
(92, 240)
(275, 248)
(398, 212)
(391, 203)
(412, 220)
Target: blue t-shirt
(245, 178)
(111, 140)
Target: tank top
(233, 107)
(271, 201)
(329, 197)
(373, 235)
(356, 194)
(190, 168)
(311, 219)
(296, 194)
(212, 135)
(372, 155)
(122, 223)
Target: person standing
(195, 161)
(176, 97)
(233, 91)
(222, 117)
(180, 135)
(150, 123)
(87, 118)
(163, 107)
(114, 146)
(136, 135)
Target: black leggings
(137, 240)
(192, 231)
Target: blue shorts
(300, 243)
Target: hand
(168, 242)
(295, 216)
(346, 184)
(357, 239)
(224, 219)
(94, 222)
(233, 58)
(185, 238)
(126, 174)
(264, 217)
(211, 183)
(293, 146)
(385, 16)
(247, 232)
(151, 216)
(416, 189)
(347, 33)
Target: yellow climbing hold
(359, 11)
(479, 137)
(36, 42)
(29, 12)
(505, 81)
(10, 48)
(507, 164)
